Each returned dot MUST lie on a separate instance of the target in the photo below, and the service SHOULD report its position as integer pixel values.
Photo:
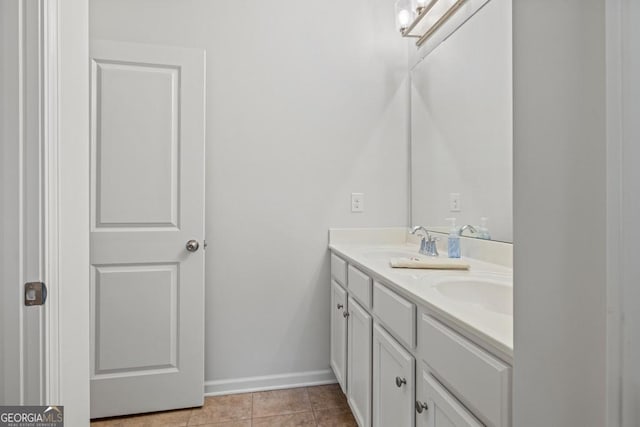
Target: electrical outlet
(357, 202)
(454, 202)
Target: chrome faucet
(469, 227)
(427, 244)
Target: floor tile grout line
(313, 410)
(191, 414)
(252, 394)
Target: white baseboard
(268, 382)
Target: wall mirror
(462, 127)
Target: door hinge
(35, 293)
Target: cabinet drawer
(398, 314)
(359, 285)
(480, 380)
(339, 269)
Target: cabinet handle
(400, 381)
(340, 306)
(345, 314)
(421, 407)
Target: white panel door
(393, 381)
(147, 288)
(339, 334)
(359, 363)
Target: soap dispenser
(483, 231)
(454, 240)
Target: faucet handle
(423, 245)
(419, 230)
(431, 249)
(427, 243)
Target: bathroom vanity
(421, 347)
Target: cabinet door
(339, 333)
(393, 382)
(435, 407)
(359, 366)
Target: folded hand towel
(434, 263)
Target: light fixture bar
(444, 18)
(427, 8)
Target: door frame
(50, 140)
(64, 98)
(614, 43)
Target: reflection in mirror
(461, 128)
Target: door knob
(345, 314)
(400, 381)
(340, 306)
(192, 245)
(420, 406)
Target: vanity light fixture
(421, 18)
(404, 14)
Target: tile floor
(308, 406)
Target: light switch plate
(454, 202)
(357, 202)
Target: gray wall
(559, 213)
(306, 103)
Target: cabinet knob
(345, 314)
(340, 306)
(420, 406)
(400, 381)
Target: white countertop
(493, 327)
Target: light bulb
(404, 14)
(403, 18)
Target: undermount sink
(491, 294)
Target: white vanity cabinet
(339, 333)
(351, 338)
(393, 381)
(400, 364)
